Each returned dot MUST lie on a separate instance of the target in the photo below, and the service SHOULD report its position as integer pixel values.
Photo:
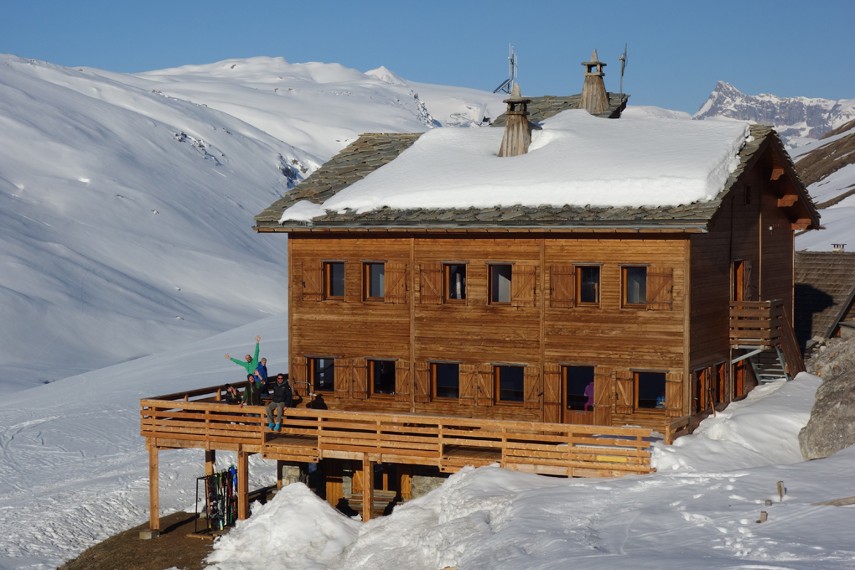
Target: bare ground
(175, 547)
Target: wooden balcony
(197, 419)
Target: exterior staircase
(762, 333)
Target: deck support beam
(153, 494)
(280, 465)
(243, 484)
(367, 487)
(210, 461)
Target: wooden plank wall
(531, 330)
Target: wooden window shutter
(468, 386)
(524, 285)
(430, 281)
(660, 288)
(604, 391)
(343, 374)
(360, 378)
(674, 394)
(562, 285)
(532, 387)
(421, 387)
(551, 393)
(312, 280)
(298, 373)
(484, 385)
(624, 392)
(402, 380)
(396, 282)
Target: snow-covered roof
(580, 171)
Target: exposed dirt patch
(173, 548)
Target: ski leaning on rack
(221, 499)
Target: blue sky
(677, 49)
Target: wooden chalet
(530, 336)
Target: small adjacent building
(564, 265)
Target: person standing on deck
(249, 363)
(261, 377)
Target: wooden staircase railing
(766, 326)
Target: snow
(129, 269)
(574, 158)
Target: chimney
(517, 129)
(595, 100)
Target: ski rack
(220, 491)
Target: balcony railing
(197, 419)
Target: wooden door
(604, 390)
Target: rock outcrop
(832, 420)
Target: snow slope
(126, 202)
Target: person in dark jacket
(252, 392)
(231, 395)
(282, 396)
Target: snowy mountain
(128, 200)
(798, 120)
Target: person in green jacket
(250, 363)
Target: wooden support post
(210, 461)
(153, 494)
(367, 487)
(279, 466)
(243, 484)
(333, 476)
(405, 482)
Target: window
(454, 278)
(381, 376)
(500, 284)
(579, 387)
(322, 374)
(650, 390)
(445, 378)
(373, 281)
(634, 286)
(333, 280)
(509, 383)
(588, 285)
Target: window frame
(312, 369)
(446, 283)
(434, 385)
(624, 286)
(578, 270)
(497, 384)
(492, 294)
(328, 283)
(372, 377)
(367, 267)
(636, 383)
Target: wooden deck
(196, 419)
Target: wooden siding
(540, 328)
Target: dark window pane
(383, 376)
(335, 279)
(510, 382)
(500, 283)
(636, 285)
(323, 374)
(455, 282)
(580, 387)
(651, 389)
(589, 284)
(447, 378)
(376, 276)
